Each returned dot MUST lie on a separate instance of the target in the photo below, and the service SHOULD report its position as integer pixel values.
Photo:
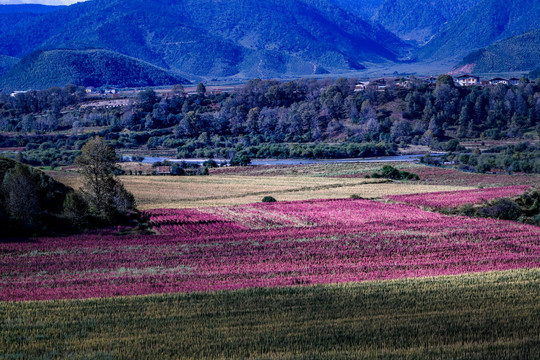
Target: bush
(390, 172)
(240, 160)
(268, 199)
(504, 209)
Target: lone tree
(107, 198)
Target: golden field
(152, 192)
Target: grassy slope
(493, 315)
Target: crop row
(319, 241)
(452, 199)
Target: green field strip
(492, 315)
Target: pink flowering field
(452, 199)
(265, 245)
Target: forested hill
(264, 38)
(365, 9)
(482, 25)
(420, 20)
(45, 69)
(6, 63)
(518, 53)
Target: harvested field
(454, 199)
(324, 170)
(152, 192)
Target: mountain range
(205, 39)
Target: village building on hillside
(402, 83)
(497, 81)
(468, 80)
(378, 84)
(514, 81)
(361, 86)
(430, 80)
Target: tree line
(273, 116)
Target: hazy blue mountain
(28, 8)
(365, 9)
(6, 63)
(420, 20)
(265, 38)
(44, 69)
(518, 53)
(481, 26)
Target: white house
(361, 86)
(468, 80)
(497, 81)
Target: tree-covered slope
(481, 26)
(212, 38)
(365, 9)
(30, 200)
(420, 20)
(45, 69)
(6, 63)
(518, 53)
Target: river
(258, 162)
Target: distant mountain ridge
(518, 53)
(420, 20)
(265, 38)
(94, 67)
(481, 26)
(28, 8)
(243, 39)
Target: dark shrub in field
(269, 199)
(390, 172)
(240, 160)
(505, 209)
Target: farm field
(475, 316)
(316, 275)
(154, 192)
(429, 175)
(453, 199)
(265, 245)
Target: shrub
(504, 209)
(269, 199)
(390, 172)
(240, 160)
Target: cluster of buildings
(471, 80)
(463, 80)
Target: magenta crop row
(262, 245)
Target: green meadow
(474, 316)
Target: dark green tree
(107, 198)
(201, 89)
